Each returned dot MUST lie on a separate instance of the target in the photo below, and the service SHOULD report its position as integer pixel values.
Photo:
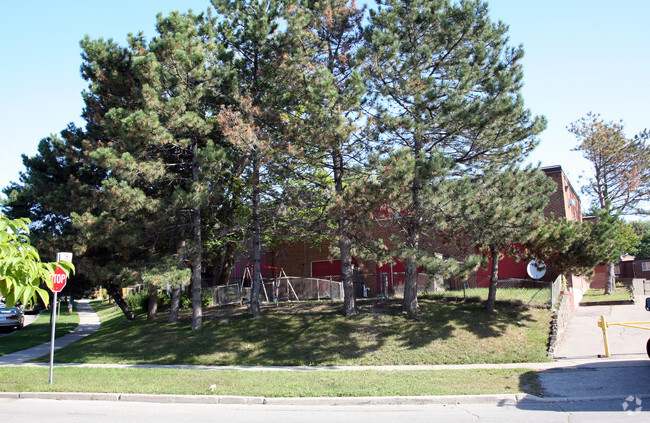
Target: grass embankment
(39, 331)
(304, 334)
(315, 334)
(621, 293)
(270, 384)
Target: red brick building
(305, 260)
(563, 203)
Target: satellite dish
(536, 269)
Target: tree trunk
(494, 278)
(175, 305)
(152, 308)
(197, 307)
(228, 262)
(610, 287)
(116, 293)
(257, 246)
(410, 304)
(349, 302)
(345, 243)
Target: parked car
(11, 316)
(647, 307)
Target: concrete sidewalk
(583, 339)
(88, 323)
(578, 375)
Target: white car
(11, 317)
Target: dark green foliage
(137, 300)
(643, 249)
(577, 247)
(444, 81)
(506, 208)
(260, 121)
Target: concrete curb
(640, 360)
(508, 399)
(607, 303)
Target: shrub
(186, 300)
(137, 300)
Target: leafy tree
(21, 268)
(621, 170)
(505, 210)
(643, 248)
(445, 79)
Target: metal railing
(284, 288)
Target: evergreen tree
(444, 79)
(252, 120)
(324, 77)
(166, 158)
(505, 210)
(621, 170)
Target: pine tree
(252, 118)
(505, 210)
(621, 170)
(445, 79)
(166, 154)
(325, 80)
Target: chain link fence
(279, 289)
(522, 291)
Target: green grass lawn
(39, 332)
(595, 295)
(534, 297)
(270, 384)
(317, 334)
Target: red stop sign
(59, 278)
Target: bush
(137, 300)
(140, 300)
(186, 300)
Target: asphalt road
(53, 411)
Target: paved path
(625, 373)
(578, 373)
(88, 323)
(583, 339)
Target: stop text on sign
(59, 278)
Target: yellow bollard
(603, 325)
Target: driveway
(589, 373)
(583, 338)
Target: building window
(617, 270)
(645, 266)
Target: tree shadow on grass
(440, 319)
(290, 335)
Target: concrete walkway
(578, 374)
(626, 372)
(583, 339)
(88, 323)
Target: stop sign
(59, 278)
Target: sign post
(59, 279)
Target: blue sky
(581, 56)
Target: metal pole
(331, 296)
(52, 339)
(603, 325)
